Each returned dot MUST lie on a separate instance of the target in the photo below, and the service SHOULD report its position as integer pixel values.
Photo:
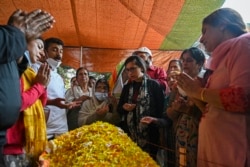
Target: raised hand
(17, 19)
(43, 75)
(32, 24)
(37, 22)
(188, 84)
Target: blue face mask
(101, 96)
(27, 56)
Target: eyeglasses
(132, 69)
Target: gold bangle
(202, 93)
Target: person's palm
(17, 19)
(32, 24)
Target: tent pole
(81, 57)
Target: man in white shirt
(55, 108)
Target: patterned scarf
(34, 121)
(138, 130)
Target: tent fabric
(108, 30)
(106, 60)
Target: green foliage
(67, 73)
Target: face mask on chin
(27, 55)
(53, 63)
(101, 96)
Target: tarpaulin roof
(99, 33)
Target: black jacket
(12, 47)
(155, 110)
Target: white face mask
(53, 63)
(101, 96)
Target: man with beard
(153, 72)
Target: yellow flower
(98, 144)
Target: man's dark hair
(49, 41)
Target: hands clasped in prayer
(32, 24)
(43, 75)
(188, 84)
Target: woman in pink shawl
(224, 131)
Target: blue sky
(242, 6)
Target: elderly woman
(100, 107)
(78, 93)
(141, 97)
(224, 134)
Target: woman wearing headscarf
(100, 107)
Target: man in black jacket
(22, 27)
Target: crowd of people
(177, 115)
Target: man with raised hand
(21, 27)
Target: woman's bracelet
(202, 93)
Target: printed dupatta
(138, 130)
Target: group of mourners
(194, 113)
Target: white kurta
(57, 120)
(76, 92)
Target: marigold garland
(98, 144)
